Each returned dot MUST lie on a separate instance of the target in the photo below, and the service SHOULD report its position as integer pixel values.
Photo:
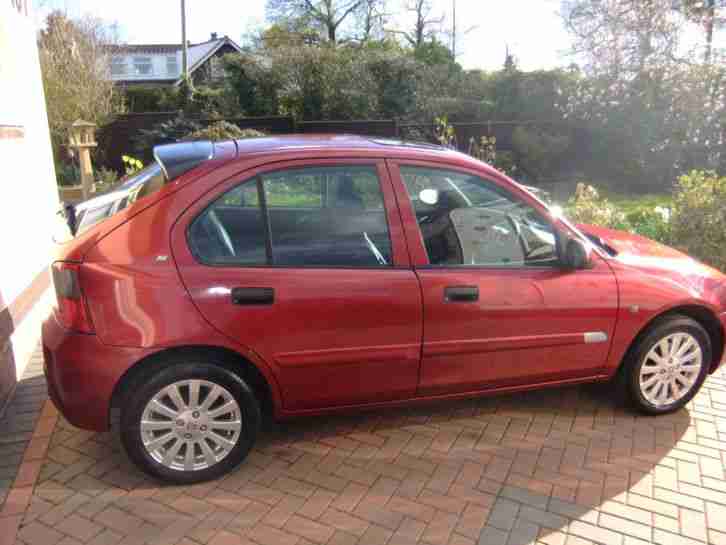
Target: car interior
(338, 221)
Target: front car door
(305, 264)
(499, 309)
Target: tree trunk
(710, 16)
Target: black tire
(629, 377)
(173, 371)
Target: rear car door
(305, 264)
(499, 309)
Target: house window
(172, 66)
(143, 66)
(118, 66)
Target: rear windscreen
(97, 209)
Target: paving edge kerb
(18, 498)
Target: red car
(297, 275)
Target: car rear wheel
(668, 366)
(190, 422)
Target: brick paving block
(443, 503)
(664, 538)
(548, 536)
(27, 473)
(9, 528)
(543, 518)
(716, 515)
(415, 510)
(492, 536)
(440, 528)
(503, 514)
(314, 531)
(627, 527)
(118, 520)
(226, 538)
(681, 500)
(525, 496)
(409, 531)
(351, 496)
(716, 538)
(79, 528)
(39, 534)
(17, 501)
(595, 533)
(523, 533)
(344, 522)
(267, 535)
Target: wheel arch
(701, 314)
(230, 360)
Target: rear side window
(95, 210)
(231, 231)
(306, 217)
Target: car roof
(367, 145)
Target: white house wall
(28, 193)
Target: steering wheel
(518, 229)
(222, 233)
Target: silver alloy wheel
(670, 369)
(191, 425)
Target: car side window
(231, 231)
(467, 220)
(313, 216)
(327, 217)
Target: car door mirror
(577, 255)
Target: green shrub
(699, 217)
(106, 179)
(485, 149)
(166, 132)
(587, 206)
(148, 99)
(221, 130)
(539, 150)
(652, 223)
(67, 173)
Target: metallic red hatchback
(300, 275)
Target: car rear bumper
(82, 372)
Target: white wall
(28, 193)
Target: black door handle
(461, 294)
(253, 296)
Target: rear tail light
(71, 309)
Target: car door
(305, 264)
(499, 309)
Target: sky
(532, 29)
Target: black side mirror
(576, 255)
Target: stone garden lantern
(82, 138)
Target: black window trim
(270, 264)
(556, 263)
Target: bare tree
(74, 58)
(623, 38)
(372, 17)
(329, 15)
(425, 24)
(707, 13)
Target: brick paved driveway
(557, 467)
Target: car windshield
(95, 210)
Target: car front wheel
(190, 422)
(668, 366)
